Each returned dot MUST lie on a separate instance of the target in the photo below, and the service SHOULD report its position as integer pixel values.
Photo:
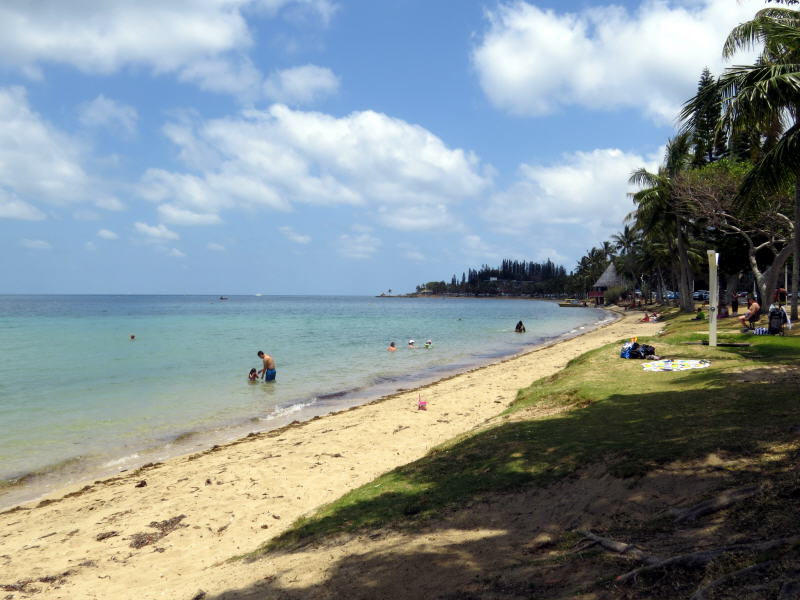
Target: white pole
(713, 297)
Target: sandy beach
(166, 530)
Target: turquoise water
(77, 395)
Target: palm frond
(779, 164)
(644, 178)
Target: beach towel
(675, 365)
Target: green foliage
(704, 120)
(511, 277)
(611, 295)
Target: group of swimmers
(268, 372)
(411, 345)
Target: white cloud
(107, 234)
(36, 160)
(90, 246)
(545, 254)
(110, 203)
(421, 216)
(301, 85)
(105, 112)
(34, 244)
(324, 9)
(102, 37)
(293, 236)
(361, 245)
(83, 214)
(404, 175)
(224, 75)
(215, 247)
(12, 207)
(586, 188)
(472, 245)
(202, 41)
(533, 61)
(181, 216)
(156, 232)
(174, 252)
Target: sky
(329, 146)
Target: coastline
(235, 496)
(72, 471)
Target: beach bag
(636, 350)
(627, 347)
(647, 350)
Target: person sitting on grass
(700, 316)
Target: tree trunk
(796, 261)
(687, 304)
(768, 280)
(732, 286)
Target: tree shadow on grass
(518, 480)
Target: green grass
(629, 419)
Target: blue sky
(328, 146)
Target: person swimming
(428, 345)
(411, 344)
(392, 347)
(253, 375)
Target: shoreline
(233, 497)
(73, 472)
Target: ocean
(80, 399)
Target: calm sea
(78, 398)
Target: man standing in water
(268, 371)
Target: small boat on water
(572, 302)
(223, 297)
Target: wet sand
(165, 531)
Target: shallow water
(78, 396)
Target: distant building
(610, 278)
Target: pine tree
(705, 138)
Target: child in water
(253, 375)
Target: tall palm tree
(765, 97)
(656, 207)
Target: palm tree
(656, 207)
(765, 97)
(625, 240)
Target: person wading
(268, 372)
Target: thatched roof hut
(610, 278)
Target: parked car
(670, 295)
(700, 295)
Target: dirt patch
(771, 374)
(507, 546)
(163, 528)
